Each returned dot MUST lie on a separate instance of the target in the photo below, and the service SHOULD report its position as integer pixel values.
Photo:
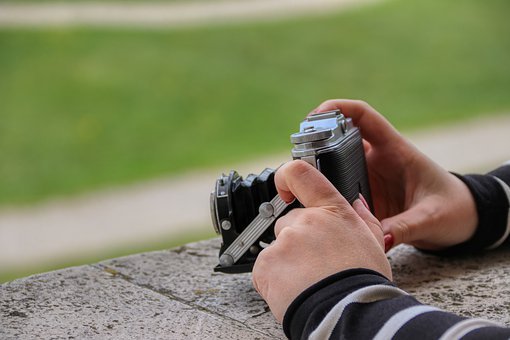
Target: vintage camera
(244, 211)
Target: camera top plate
(320, 132)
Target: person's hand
(312, 243)
(417, 201)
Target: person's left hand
(312, 243)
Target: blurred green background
(86, 108)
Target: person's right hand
(417, 201)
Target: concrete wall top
(174, 294)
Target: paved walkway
(142, 213)
(159, 14)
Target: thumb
(409, 226)
(298, 179)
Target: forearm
(361, 304)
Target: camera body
(244, 211)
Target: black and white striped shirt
(362, 304)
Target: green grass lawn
(86, 108)
(83, 108)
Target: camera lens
(214, 212)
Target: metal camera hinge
(268, 213)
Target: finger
(298, 179)
(370, 220)
(388, 242)
(367, 147)
(408, 226)
(375, 128)
(286, 220)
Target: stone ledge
(175, 294)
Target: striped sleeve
(492, 197)
(362, 304)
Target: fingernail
(388, 242)
(320, 109)
(364, 201)
(357, 202)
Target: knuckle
(262, 263)
(259, 279)
(363, 104)
(307, 217)
(279, 225)
(292, 169)
(287, 238)
(264, 256)
(286, 234)
(402, 232)
(367, 109)
(298, 168)
(298, 216)
(329, 102)
(376, 228)
(287, 219)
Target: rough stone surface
(472, 286)
(90, 302)
(175, 295)
(190, 278)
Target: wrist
(464, 215)
(491, 206)
(449, 215)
